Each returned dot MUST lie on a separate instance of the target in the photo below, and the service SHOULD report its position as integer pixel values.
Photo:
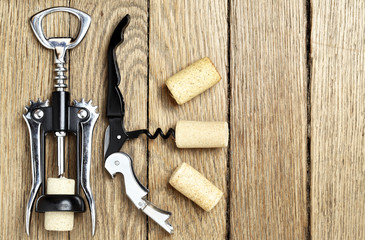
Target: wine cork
(193, 80)
(59, 221)
(194, 134)
(195, 186)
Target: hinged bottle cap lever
(122, 163)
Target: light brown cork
(195, 134)
(59, 221)
(193, 80)
(195, 186)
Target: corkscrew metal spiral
(158, 132)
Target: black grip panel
(60, 104)
(115, 106)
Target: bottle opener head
(63, 42)
(60, 44)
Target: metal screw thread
(60, 76)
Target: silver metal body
(35, 133)
(122, 163)
(86, 141)
(35, 113)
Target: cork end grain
(195, 186)
(193, 80)
(59, 221)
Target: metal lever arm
(86, 133)
(122, 163)
(36, 149)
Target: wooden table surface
(292, 92)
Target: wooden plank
(182, 32)
(268, 120)
(117, 217)
(337, 129)
(27, 74)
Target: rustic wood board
(268, 120)
(293, 169)
(338, 120)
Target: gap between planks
(148, 108)
(229, 95)
(308, 9)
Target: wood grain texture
(268, 120)
(182, 32)
(338, 120)
(259, 48)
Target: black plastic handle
(115, 105)
(60, 203)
